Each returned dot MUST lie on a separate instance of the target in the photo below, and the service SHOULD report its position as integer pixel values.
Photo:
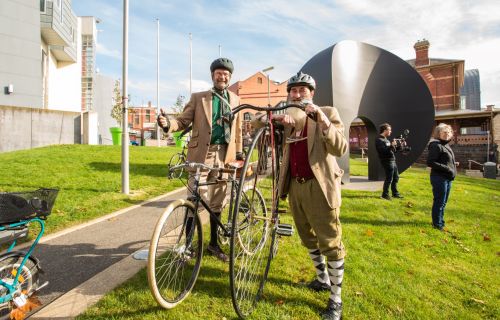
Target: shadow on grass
(153, 170)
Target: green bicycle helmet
(301, 79)
(222, 63)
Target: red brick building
(142, 122)
(473, 129)
(444, 77)
(254, 91)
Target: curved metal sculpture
(367, 82)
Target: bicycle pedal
(284, 229)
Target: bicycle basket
(17, 206)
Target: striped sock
(336, 273)
(320, 265)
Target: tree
(178, 107)
(116, 111)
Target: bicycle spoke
(175, 255)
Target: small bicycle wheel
(175, 254)
(27, 280)
(250, 240)
(175, 160)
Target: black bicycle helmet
(222, 63)
(301, 79)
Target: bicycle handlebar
(270, 109)
(196, 165)
(228, 117)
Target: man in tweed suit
(311, 178)
(213, 141)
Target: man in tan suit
(311, 177)
(213, 141)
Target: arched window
(246, 116)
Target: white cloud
(112, 53)
(284, 34)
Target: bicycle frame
(11, 287)
(196, 198)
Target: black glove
(163, 122)
(240, 156)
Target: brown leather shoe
(217, 252)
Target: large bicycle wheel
(175, 254)
(175, 160)
(250, 237)
(27, 280)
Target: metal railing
(473, 161)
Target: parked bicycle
(176, 246)
(180, 157)
(19, 270)
(253, 225)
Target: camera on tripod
(401, 144)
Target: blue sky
(284, 34)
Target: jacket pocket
(195, 133)
(193, 143)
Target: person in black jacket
(386, 150)
(443, 171)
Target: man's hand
(163, 121)
(315, 113)
(240, 156)
(284, 119)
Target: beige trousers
(214, 195)
(317, 224)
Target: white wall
(65, 81)
(20, 55)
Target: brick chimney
(422, 53)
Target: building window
(148, 116)
(259, 80)
(42, 5)
(246, 116)
(136, 119)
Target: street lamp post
(125, 138)
(268, 84)
(158, 78)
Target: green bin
(179, 142)
(116, 135)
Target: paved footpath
(85, 262)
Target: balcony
(58, 30)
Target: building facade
(456, 96)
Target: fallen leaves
(486, 237)
(478, 301)
(369, 233)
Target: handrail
(470, 162)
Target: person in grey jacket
(441, 159)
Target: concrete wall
(20, 54)
(103, 103)
(26, 128)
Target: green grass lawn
(88, 177)
(397, 266)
